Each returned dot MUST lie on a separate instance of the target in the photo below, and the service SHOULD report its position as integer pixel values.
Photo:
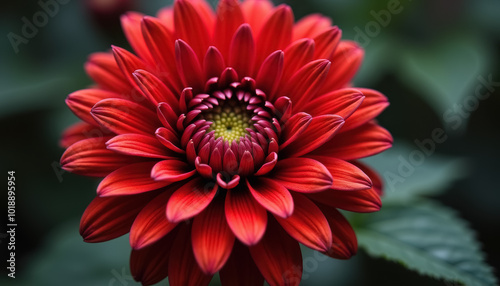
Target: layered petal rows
(224, 140)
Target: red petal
(305, 83)
(190, 27)
(128, 63)
(183, 270)
(272, 195)
(229, 18)
(364, 201)
(373, 104)
(294, 127)
(130, 180)
(242, 51)
(213, 65)
(169, 140)
(310, 26)
(342, 102)
(276, 33)
(256, 12)
(374, 176)
(269, 164)
(80, 131)
(240, 269)
(104, 70)
(347, 58)
(212, 238)
(346, 176)
(89, 157)
(344, 243)
(166, 16)
(246, 218)
(131, 25)
(160, 42)
(151, 224)
(82, 101)
(278, 257)
(327, 42)
(246, 164)
(190, 199)
(321, 130)
(364, 141)
(139, 145)
(172, 171)
(188, 65)
(269, 75)
(302, 175)
(108, 218)
(150, 265)
(308, 225)
(122, 116)
(154, 89)
(298, 54)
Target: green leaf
(428, 238)
(444, 73)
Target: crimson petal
(302, 175)
(212, 238)
(308, 225)
(190, 199)
(149, 265)
(89, 157)
(278, 257)
(151, 224)
(245, 216)
(129, 180)
(123, 116)
(346, 176)
(108, 218)
(364, 141)
(272, 195)
(183, 270)
(172, 171)
(139, 145)
(344, 243)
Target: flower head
(227, 140)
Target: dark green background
(426, 59)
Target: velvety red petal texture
(225, 138)
(245, 216)
(139, 145)
(190, 199)
(182, 266)
(150, 264)
(345, 176)
(364, 201)
(151, 223)
(212, 238)
(130, 180)
(90, 157)
(111, 217)
(302, 175)
(240, 269)
(344, 242)
(278, 257)
(307, 224)
(321, 130)
(367, 140)
(122, 116)
(272, 196)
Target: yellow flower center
(229, 121)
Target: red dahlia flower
(230, 138)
